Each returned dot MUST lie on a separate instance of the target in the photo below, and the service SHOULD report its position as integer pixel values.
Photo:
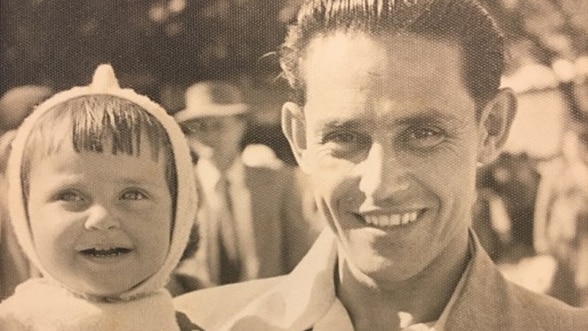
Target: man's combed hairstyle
(463, 21)
(101, 124)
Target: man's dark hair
(465, 22)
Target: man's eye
(424, 137)
(345, 144)
(133, 195)
(70, 196)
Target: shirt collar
(208, 174)
(337, 315)
(442, 321)
(300, 299)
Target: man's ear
(294, 128)
(495, 122)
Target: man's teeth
(391, 219)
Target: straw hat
(212, 98)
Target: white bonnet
(105, 82)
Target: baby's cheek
(42, 216)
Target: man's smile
(391, 219)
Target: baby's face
(100, 222)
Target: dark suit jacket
(283, 229)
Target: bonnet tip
(104, 78)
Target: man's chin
(382, 269)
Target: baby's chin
(106, 295)
(104, 292)
(105, 274)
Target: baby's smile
(105, 252)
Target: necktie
(230, 268)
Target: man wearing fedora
(250, 218)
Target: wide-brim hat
(212, 98)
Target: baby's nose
(100, 218)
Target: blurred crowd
(532, 209)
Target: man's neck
(373, 305)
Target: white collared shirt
(307, 298)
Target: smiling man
(398, 103)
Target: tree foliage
(163, 41)
(154, 42)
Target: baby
(102, 200)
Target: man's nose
(101, 218)
(382, 173)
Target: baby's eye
(424, 137)
(134, 194)
(70, 196)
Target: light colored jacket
(487, 302)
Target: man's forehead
(346, 47)
(408, 67)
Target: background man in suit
(250, 222)
(398, 104)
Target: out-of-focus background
(532, 213)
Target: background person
(561, 216)
(250, 221)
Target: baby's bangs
(98, 123)
(110, 122)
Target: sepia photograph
(293, 165)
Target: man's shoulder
(211, 307)
(542, 310)
(489, 301)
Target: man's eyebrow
(429, 115)
(426, 115)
